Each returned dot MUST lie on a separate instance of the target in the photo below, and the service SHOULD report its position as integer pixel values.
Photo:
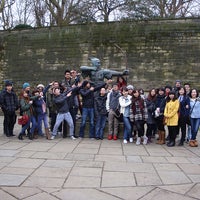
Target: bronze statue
(96, 74)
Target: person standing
(194, 116)
(183, 113)
(171, 117)
(100, 113)
(151, 107)
(112, 104)
(125, 102)
(139, 115)
(9, 104)
(87, 94)
(159, 114)
(26, 105)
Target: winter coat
(9, 101)
(150, 110)
(100, 105)
(113, 100)
(183, 111)
(195, 110)
(125, 103)
(88, 96)
(138, 110)
(171, 113)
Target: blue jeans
(100, 125)
(127, 128)
(195, 123)
(33, 122)
(87, 112)
(59, 119)
(41, 117)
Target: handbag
(118, 115)
(23, 119)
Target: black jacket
(88, 96)
(100, 105)
(9, 101)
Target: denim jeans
(100, 125)
(33, 122)
(40, 118)
(59, 119)
(127, 128)
(87, 112)
(195, 123)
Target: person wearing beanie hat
(9, 104)
(40, 86)
(130, 87)
(177, 87)
(25, 85)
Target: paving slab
(118, 179)
(84, 194)
(21, 192)
(6, 196)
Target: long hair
(140, 101)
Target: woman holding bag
(27, 109)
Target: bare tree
(160, 8)
(103, 9)
(41, 13)
(64, 12)
(23, 11)
(6, 14)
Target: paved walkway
(96, 170)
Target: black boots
(171, 143)
(20, 137)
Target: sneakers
(72, 137)
(131, 140)
(145, 140)
(138, 141)
(52, 137)
(125, 141)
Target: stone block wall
(155, 52)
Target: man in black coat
(9, 104)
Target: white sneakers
(131, 140)
(145, 140)
(125, 141)
(138, 141)
(52, 137)
(72, 137)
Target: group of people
(176, 107)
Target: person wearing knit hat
(130, 87)
(40, 86)
(25, 85)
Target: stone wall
(155, 52)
